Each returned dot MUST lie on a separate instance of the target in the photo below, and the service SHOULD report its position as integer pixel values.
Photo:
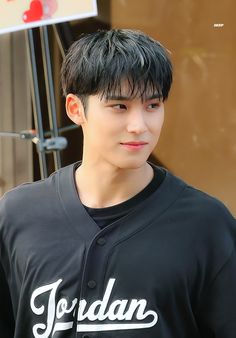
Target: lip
(134, 145)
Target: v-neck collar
(150, 209)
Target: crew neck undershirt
(108, 215)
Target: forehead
(129, 90)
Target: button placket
(101, 241)
(91, 284)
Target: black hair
(98, 63)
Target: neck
(106, 186)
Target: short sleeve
(7, 323)
(217, 314)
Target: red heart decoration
(34, 13)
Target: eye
(119, 106)
(153, 106)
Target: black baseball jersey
(167, 269)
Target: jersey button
(92, 284)
(101, 241)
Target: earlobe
(75, 109)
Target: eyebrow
(129, 98)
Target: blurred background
(198, 142)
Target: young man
(114, 246)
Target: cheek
(100, 132)
(156, 124)
(111, 127)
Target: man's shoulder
(198, 200)
(206, 204)
(27, 190)
(201, 212)
(29, 193)
(203, 219)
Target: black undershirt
(106, 216)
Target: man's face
(122, 131)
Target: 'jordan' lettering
(101, 315)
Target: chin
(131, 164)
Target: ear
(75, 109)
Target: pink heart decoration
(34, 13)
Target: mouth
(134, 145)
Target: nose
(136, 122)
